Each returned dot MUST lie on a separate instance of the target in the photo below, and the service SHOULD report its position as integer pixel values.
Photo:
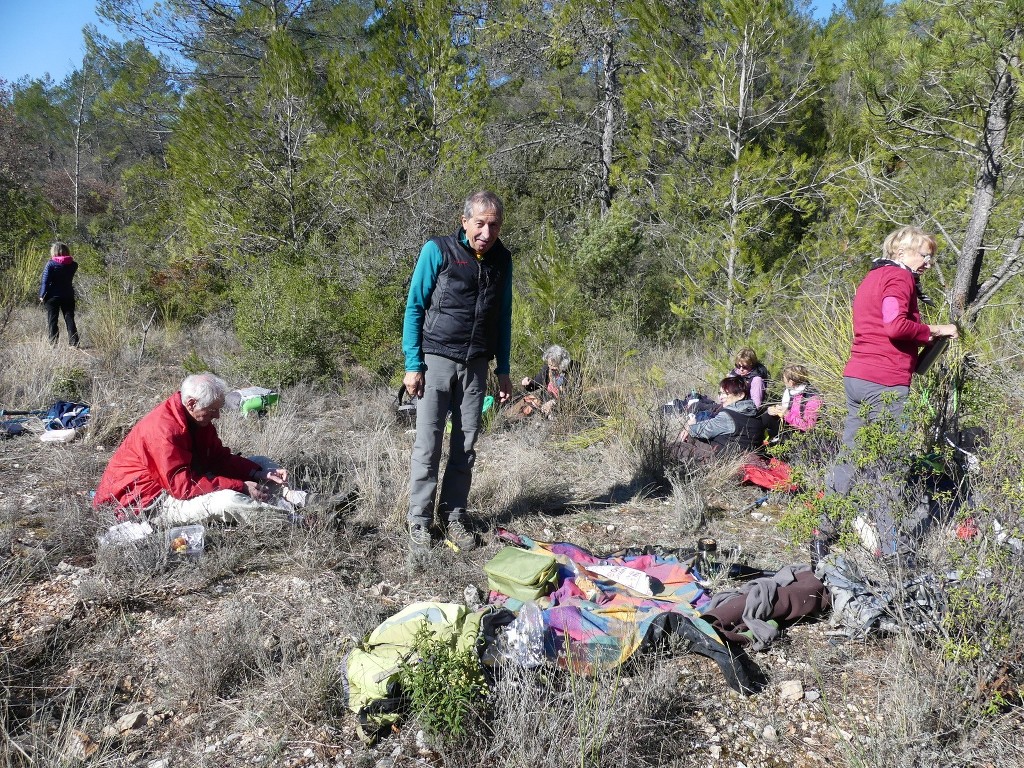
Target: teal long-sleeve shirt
(424, 279)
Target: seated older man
(173, 467)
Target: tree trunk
(610, 93)
(972, 252)
(77, 173)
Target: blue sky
(40, 36)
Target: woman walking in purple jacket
(57, 292)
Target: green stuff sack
(521, 574)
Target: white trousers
(219, 507)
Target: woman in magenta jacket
(887, 336)
(887, 330)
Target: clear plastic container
(186, 541)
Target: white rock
(769, 734)
(812, 696)
(791, 690)
(80, 746)
(163, 762)
(129, 721)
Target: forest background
(711, 170)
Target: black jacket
(461, 322)
(57, 280)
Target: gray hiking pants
(459, 387)
(862, 396)
(865, 404)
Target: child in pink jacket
(800, 402)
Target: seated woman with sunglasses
(736, 429)
(753, 372)
(559, 374)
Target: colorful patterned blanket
(606, 608)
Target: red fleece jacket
(886, 353)
(168, 451)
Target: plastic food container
(186, 541)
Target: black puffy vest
(757, 370)
(748, 434)
(462, 320)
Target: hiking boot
(419, 538)
(459, 535)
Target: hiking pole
(4, 412)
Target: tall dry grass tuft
(33, 374)
(631, 717)
(515, 475)
(20, 273)
(820, 339)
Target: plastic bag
(523, 641)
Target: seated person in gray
(736, 429)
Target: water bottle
(706, 548)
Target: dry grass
(234, 658)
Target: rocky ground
(119, 657)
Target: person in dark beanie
(57, 292)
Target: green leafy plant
(69, 383)
(445, 685)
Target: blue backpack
(66, 415)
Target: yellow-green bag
(521, 574)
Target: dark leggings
(65, 307)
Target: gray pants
(865, 404)
(460, 388)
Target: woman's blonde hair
(796, 373)
(59, 249)
(906, 237)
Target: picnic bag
(521, 574)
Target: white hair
(486, 201)
(557, 355)
(204, 388)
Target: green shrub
(371, 324)
(70, 383)
(445, 685)
(287, 325)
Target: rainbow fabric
(594, 622)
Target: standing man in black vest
(458, 316)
